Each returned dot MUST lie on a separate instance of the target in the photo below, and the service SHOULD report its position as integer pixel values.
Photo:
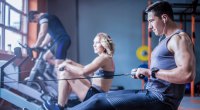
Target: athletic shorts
(92, 91)
(60, 48)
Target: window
(18, 4)
(10, 44)
(1, 13)
(13, 23)
(1, 37)
(14, 19)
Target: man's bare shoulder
(178, 41)
(182, 36)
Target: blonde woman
(102, 66)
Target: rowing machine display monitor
(18, 52)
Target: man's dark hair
(31, 15)
(159, 8)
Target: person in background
(51, 30)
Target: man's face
(35, 19)
(155, 24)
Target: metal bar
(18, 100)
(182, 14)
(182, 5)
(186, 13)
(24, 89)
(187, 20)
(2, 71)
(13, 29)
(192, 90)
(21, 63)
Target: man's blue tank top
(55, 27)
(167, 92)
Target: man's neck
(171, 29)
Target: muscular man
(172, 66)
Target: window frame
(22, 24)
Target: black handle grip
(62, 69)
(141, 76)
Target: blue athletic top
(104, 74)
(162, 58)
(55, 27)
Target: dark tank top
(167, 92)
(55, 27)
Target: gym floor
(190, 103)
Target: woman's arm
(73, 63)
(97, 63)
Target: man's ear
(164, 18)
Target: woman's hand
(62, 66)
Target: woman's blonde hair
(106, 42)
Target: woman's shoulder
(105, 57)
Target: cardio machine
(42, 76)
(39, 86)
(15, 91)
